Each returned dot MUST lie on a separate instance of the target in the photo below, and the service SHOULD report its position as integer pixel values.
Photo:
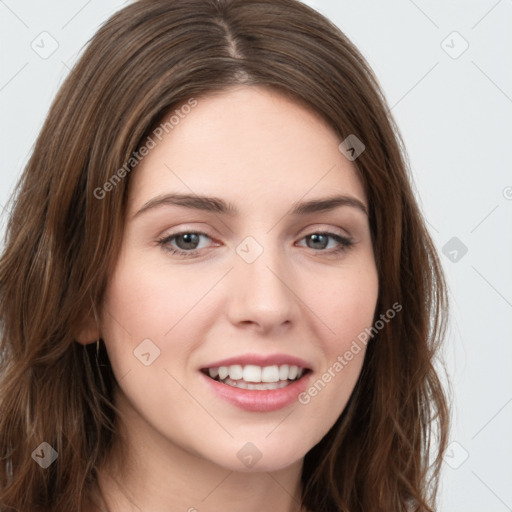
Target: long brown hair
(63, 236)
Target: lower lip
(259, 401)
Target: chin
(260, 456)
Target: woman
(217, 288)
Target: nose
(262, 292)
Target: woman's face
(251, 290)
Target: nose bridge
(262, 289)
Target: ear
(88, 331)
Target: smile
(257, 388)
(255, 377)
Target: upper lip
(260, 360)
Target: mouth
(257, 378)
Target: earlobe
(88, 331)
(86, 336)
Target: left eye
(187, 242)
(322, 240)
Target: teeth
(256, 374)
(223, 372)
(283, 372)
(252, 373)
(262, 386)
(270, 374)
(235, 372)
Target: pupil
(315, 238)
(191, 239)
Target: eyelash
(345, 243)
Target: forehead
(248, 144)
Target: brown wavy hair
(384, 453)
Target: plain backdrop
(445, 69)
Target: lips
(258, 383)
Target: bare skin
(263, 153)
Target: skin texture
(263, 153)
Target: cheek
(144, 309)
(148, 301)
(346, 304)
(347, 310)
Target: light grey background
(454, 109)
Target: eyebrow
(217, 205)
